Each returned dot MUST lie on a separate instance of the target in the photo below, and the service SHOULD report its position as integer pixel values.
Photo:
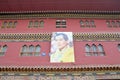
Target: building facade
(26, 38)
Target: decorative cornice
(64, 11)
(47, 37)
(61, 14)
(67, 68)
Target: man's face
(61, 43)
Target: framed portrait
(62, 48)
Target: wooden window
(36, 24)
(31, 50)
(81, 23)
(3, 50)
(87, 49)
(37, 50)
(94, 50)
(113, 24)
(60, 23)
(118, 23)
(30, 24)
(63, 23)
(24, 50)
(14, 24)
(101, 50)
(92, 23)
(9, 24)
(87, 23)
(4, 25)
(41, 23)
(108, 24)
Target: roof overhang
(58, 5)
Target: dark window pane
(41, 23)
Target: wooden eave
(80, 68)
(61, 14)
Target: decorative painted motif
(47, 37)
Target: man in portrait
(62, 49)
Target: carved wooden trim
(60, 15)
(47, 37)
(57, 69)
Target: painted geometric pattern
(58, 15)
(47, 37)
(39, 77)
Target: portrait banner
(62, 48)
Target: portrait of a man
(62, 49)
